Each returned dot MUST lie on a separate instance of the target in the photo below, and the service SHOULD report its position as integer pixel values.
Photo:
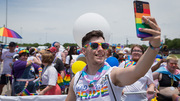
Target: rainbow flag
(157, 60)
(25, 92)
(60, 82)
(67, 80)
(34, 94)
(118, 48)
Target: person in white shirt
(98, 81)
(72, 54)
(35, 59)
(145, 83)
(7, 59)
(49, 76)
(59, 54)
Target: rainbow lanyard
(99, 74)
(130, 63)
(40, 75)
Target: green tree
(47, 44)
(35, 45)
(173, 44)
(65, 45)
(144, 46)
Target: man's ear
(83, 50)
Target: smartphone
(141, 8)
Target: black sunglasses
(55, 46)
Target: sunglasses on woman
(95, 45)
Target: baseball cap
(120, 52)
(52, 49)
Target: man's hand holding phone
(146, 26)
(155, 31)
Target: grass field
(178, 55)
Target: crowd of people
(34, 72)
(141, 74)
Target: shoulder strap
(78, 79)
(111, 87)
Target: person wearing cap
(121, 56)
(127, 53)
(59, 54)
(7, 59)
(24, 73)
(58, 64)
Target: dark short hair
(164, 48)
(32, 51)
(139, 46)
(90, 35)
(47, 58)
(12, 44)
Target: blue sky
(41, 21)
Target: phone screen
(141, 9)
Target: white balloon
(89, 22)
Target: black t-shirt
(58, 65)
(166, 81)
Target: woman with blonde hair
(168, 77)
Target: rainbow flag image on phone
(141, 9)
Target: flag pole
(6, 18)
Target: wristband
(156, 48)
